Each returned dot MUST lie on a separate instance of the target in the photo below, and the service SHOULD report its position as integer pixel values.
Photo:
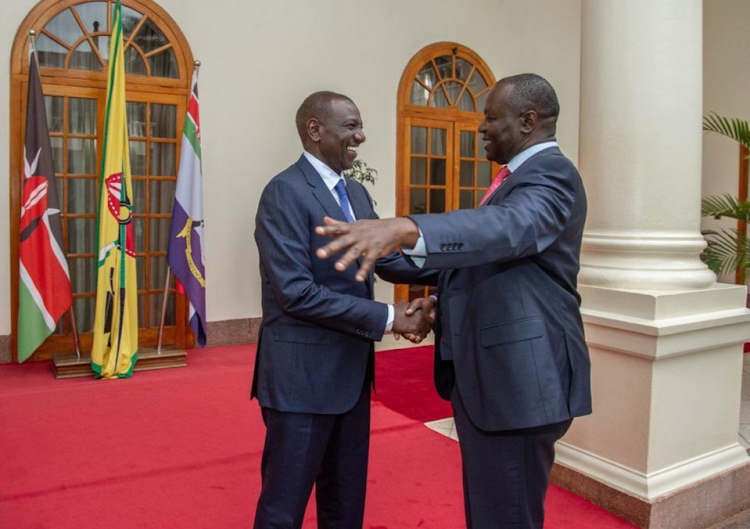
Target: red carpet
(181, 449)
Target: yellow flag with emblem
(115, 348)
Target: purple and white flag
(185, 254)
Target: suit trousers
(505, 473)
(303, 449)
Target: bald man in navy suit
(510, 352)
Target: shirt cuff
(391, 317)
(418, 254)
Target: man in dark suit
(315, 358)
(510, 349)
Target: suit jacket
(318, 327)
(508, 309)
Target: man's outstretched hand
(371, 239)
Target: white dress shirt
(419, 252)
(331, 179)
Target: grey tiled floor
(745, 409)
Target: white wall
(726, 91)
(261, 58)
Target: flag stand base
(69, 366)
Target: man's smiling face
(341, 135)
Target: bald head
(316, 106)
(532, 92)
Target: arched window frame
(57, 80)
(408, 113)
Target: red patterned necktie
(496, 182)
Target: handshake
(413, 319)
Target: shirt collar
(524, 155)
(329, 176)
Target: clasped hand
(413, 320)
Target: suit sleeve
(396, 268)
(282, 232)
(526, 222)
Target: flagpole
(32, 37)
(163, 312)
(75, 333)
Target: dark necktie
(344, 199)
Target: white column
(665, 339)
(640, 143)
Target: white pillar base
(666, 382)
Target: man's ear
(529, 121)
(313, 129)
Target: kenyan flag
(44, 293)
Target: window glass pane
(483, 174)
(428, 76)
(82, 270)
(163, 121)
(139, 231)
(81, 116)
(155, 310)
(468, 139)
(419, 140)
(82, 196)
(142, 311)
(139, 200)
(158, 264)
(102, 44)
(437, 142)
(130, 18)
(445, 66)
(50, 53)
(417, 201)
(437, 172)
(93, 15)
(466, 102)
(438, 98)
(437, 200)
(418, 171)
(83, 58)
(163, 161)
(150, 37)
(453, 90)
(467, 174)
(466, 200)
(134, 65)
(477, 82)
(57, 154)
(65, 27)
(53, 107)
(82, 156)
(161, 197)
(419, 95)
(480, 101)
(81, 236)
(140, 271)
(136, 113)
(158, 235)
(137, 157)
(84, 309)
(463, 68)
(164, 64)
(60, 184)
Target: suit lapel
(359, 202)
(516, 177)
(320, 191)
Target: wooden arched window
(73, 47)
(440, 160)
